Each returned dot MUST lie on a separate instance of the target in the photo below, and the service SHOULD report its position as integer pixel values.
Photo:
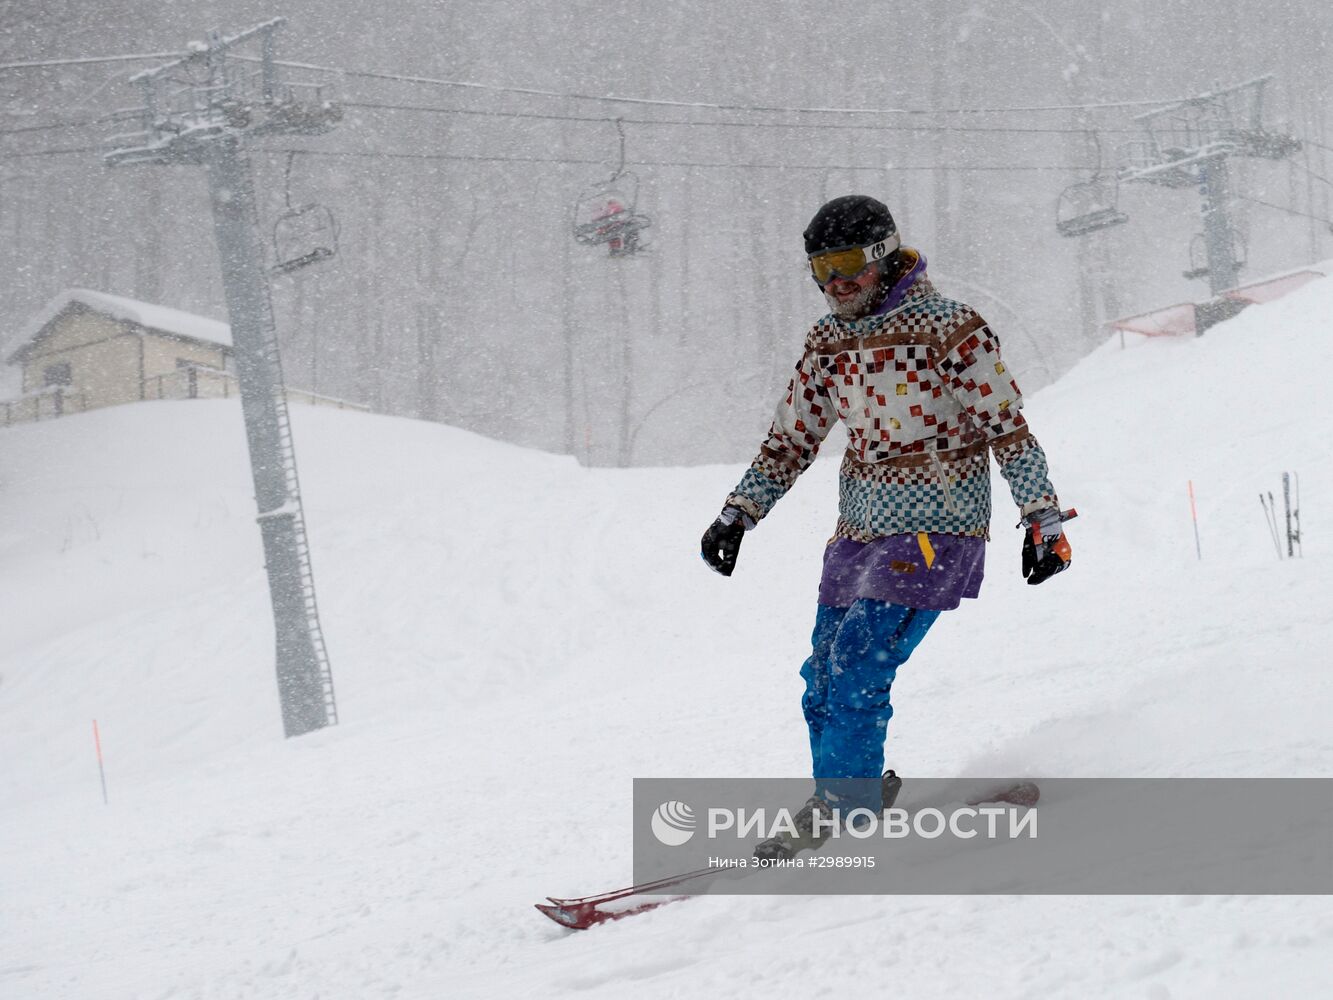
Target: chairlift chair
(1087, 207)
(605, 213)
(304, 235)
(1092, 205)
(1199, 255)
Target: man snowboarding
(919, 383)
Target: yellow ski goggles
(848, 262)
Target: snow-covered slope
(514, 638)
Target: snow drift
(515, 638)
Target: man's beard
(859, 306)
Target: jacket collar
(906, 286)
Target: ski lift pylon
(1092, 205)
(604, 213)
(303, 234)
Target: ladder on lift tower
(297, 510)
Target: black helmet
(854, 220)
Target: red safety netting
(1179, 320)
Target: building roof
(161, 319)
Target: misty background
(458, 293)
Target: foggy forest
(470, 131)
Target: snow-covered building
(87, 349)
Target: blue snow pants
(855, 657)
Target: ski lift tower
(201, 109)
(1187, 144)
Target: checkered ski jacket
(925, 396)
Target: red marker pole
(1194, 514)
(97, 743)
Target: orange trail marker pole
(97, 743)
(1194, 514)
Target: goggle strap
(873, 251)
(869, 253)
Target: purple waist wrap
(893, 569)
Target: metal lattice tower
(1187, 144)
(200, 109)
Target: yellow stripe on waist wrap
(927, 550)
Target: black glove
(1045, 548)
(721, 543)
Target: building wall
(76, 325)
(161, 353)
(102, 353)
(112, 361)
